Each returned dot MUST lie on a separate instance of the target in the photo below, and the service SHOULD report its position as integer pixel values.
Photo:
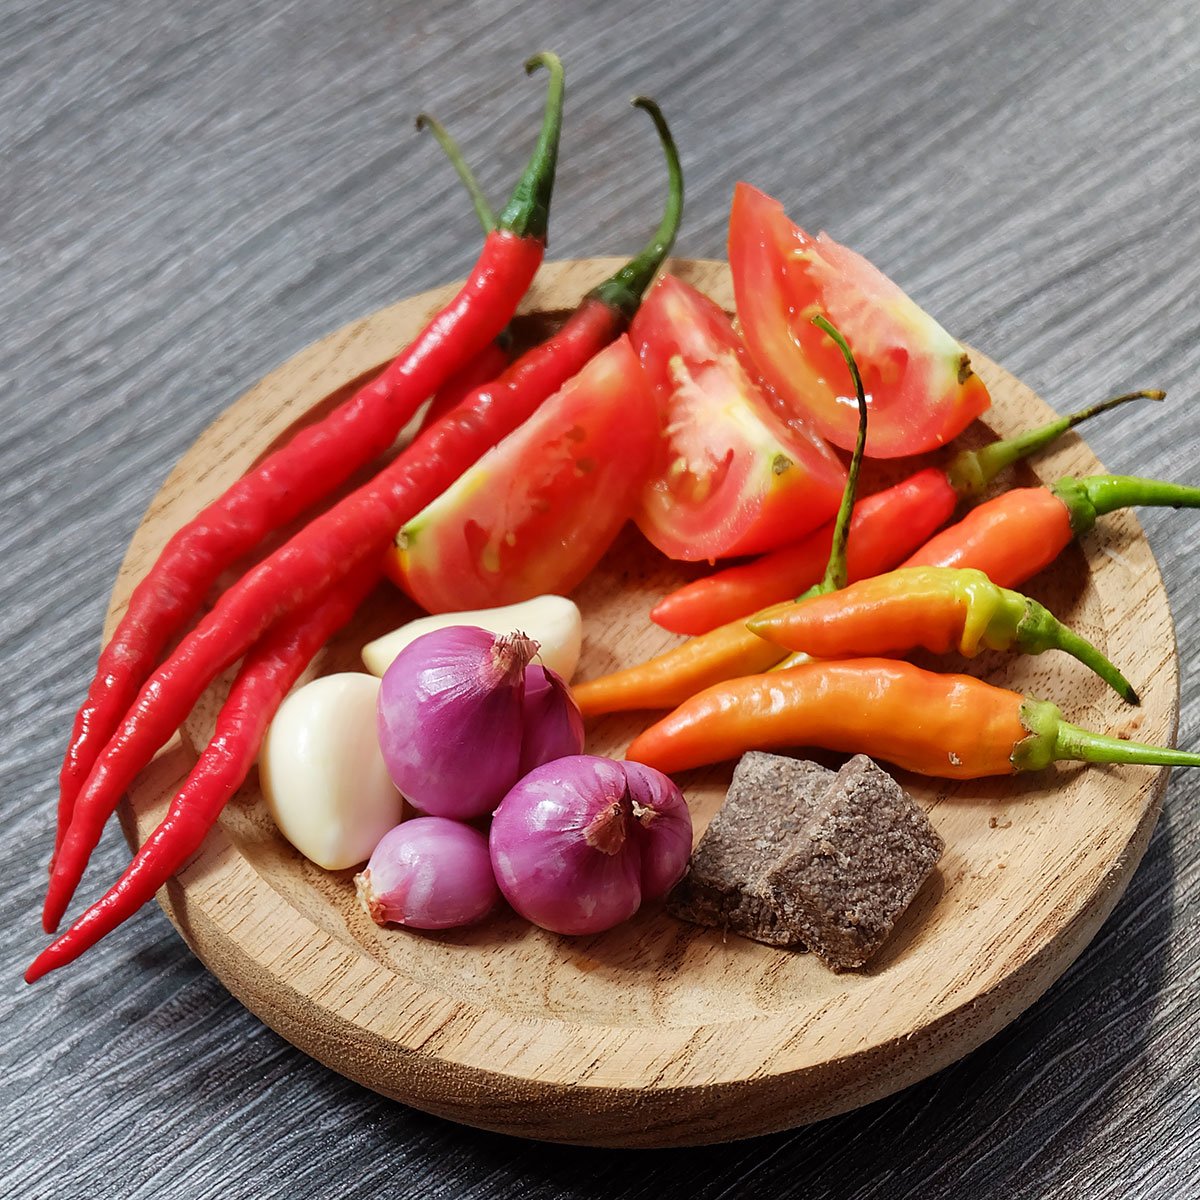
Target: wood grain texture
(193, 192)
(699, 1037)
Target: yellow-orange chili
(938, 608)
(949, 726)
(670, 678)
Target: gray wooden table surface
(193, 191)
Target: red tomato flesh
(730, 476)
(537, 511)
(921, 391)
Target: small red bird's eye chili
(948, 726)
(886, 527)
(938, 608)
(317, 459)
(358, 528)
(269, 671)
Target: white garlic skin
(322, 774)
(552, 621)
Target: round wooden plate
(659, 1033)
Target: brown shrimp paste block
(860, 858)
(769, 802)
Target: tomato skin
(537, 512)
(731, 477)
(920, 388)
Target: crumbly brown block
(854, 866)
(769, 801)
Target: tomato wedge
(730, 477)
(537, 511)
(920, 387)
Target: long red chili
(886, 527)
(269, 671)
(359, 527)
(491, 361)
(317, 459)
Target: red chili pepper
(317, 459)
(491, 361)
(358, 528)
(885, 528)
(269, 671)
(1013, 536)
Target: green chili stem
(1040, 630)
(970, 471)
(623, 292)
(1081, 745)
(527, 213)
(1097, 495)
(835, 570)
(1110, 492)
(1051, 739)
(483, 210)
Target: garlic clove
(553, 622)
(322, 774)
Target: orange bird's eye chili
(317, 459)
(357, 529)
(949, 726)
(1013, 536)
(937, 608)
(886, 527)
(270, 669)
